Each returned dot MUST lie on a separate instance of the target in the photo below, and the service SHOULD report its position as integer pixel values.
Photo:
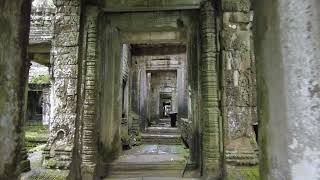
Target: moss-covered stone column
(211, 155)
(64, 59)
(14, 27)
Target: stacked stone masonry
(89, 114)
(237, 87)
(64, 54)
(238, 83)
(41, 24)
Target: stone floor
(151, 161)
(39, 173)
(176, 152)
(145, 162)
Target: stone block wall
(167, 73)
(185, 126)
(41, 24)
(238, 83)
(161, 82)
(64, 58)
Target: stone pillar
(182, 92)
(143, 98)
(14, 23)
(238, 84)
(210, 125)
(109, 94)
(193, 48)
(89, 126)
(134, 93)
(287, 48)
(64, 59)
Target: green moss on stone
(243, 173)
(35, 134)
(263, 113)
(52, 163)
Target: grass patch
(243, 173)
(35, 134)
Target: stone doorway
(165, 39)
(165, 105)
(106, 35)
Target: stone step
(125, 170)
(167, 120)
(151, 160)
(162, 130)
(142, 165)
(163, 125)
(147, 138)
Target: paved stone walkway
(139, 155)
(152, 160)
(39, 173)
(45, 174)
(150, 153)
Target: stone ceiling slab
(149, 5)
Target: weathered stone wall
(185, 126)
(238, 83)
(287, 48)
(14, 26)
(161, 82)
(41, 24)
(155, 65)
(64, 58)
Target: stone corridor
(158, 89)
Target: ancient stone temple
(164, 89)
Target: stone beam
(152, 21)
(43, 59)
(152, 37)
(14, 27)
(149, 5)
(287, 47)
(40, 53)
(39, 48)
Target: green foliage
(40, 79)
